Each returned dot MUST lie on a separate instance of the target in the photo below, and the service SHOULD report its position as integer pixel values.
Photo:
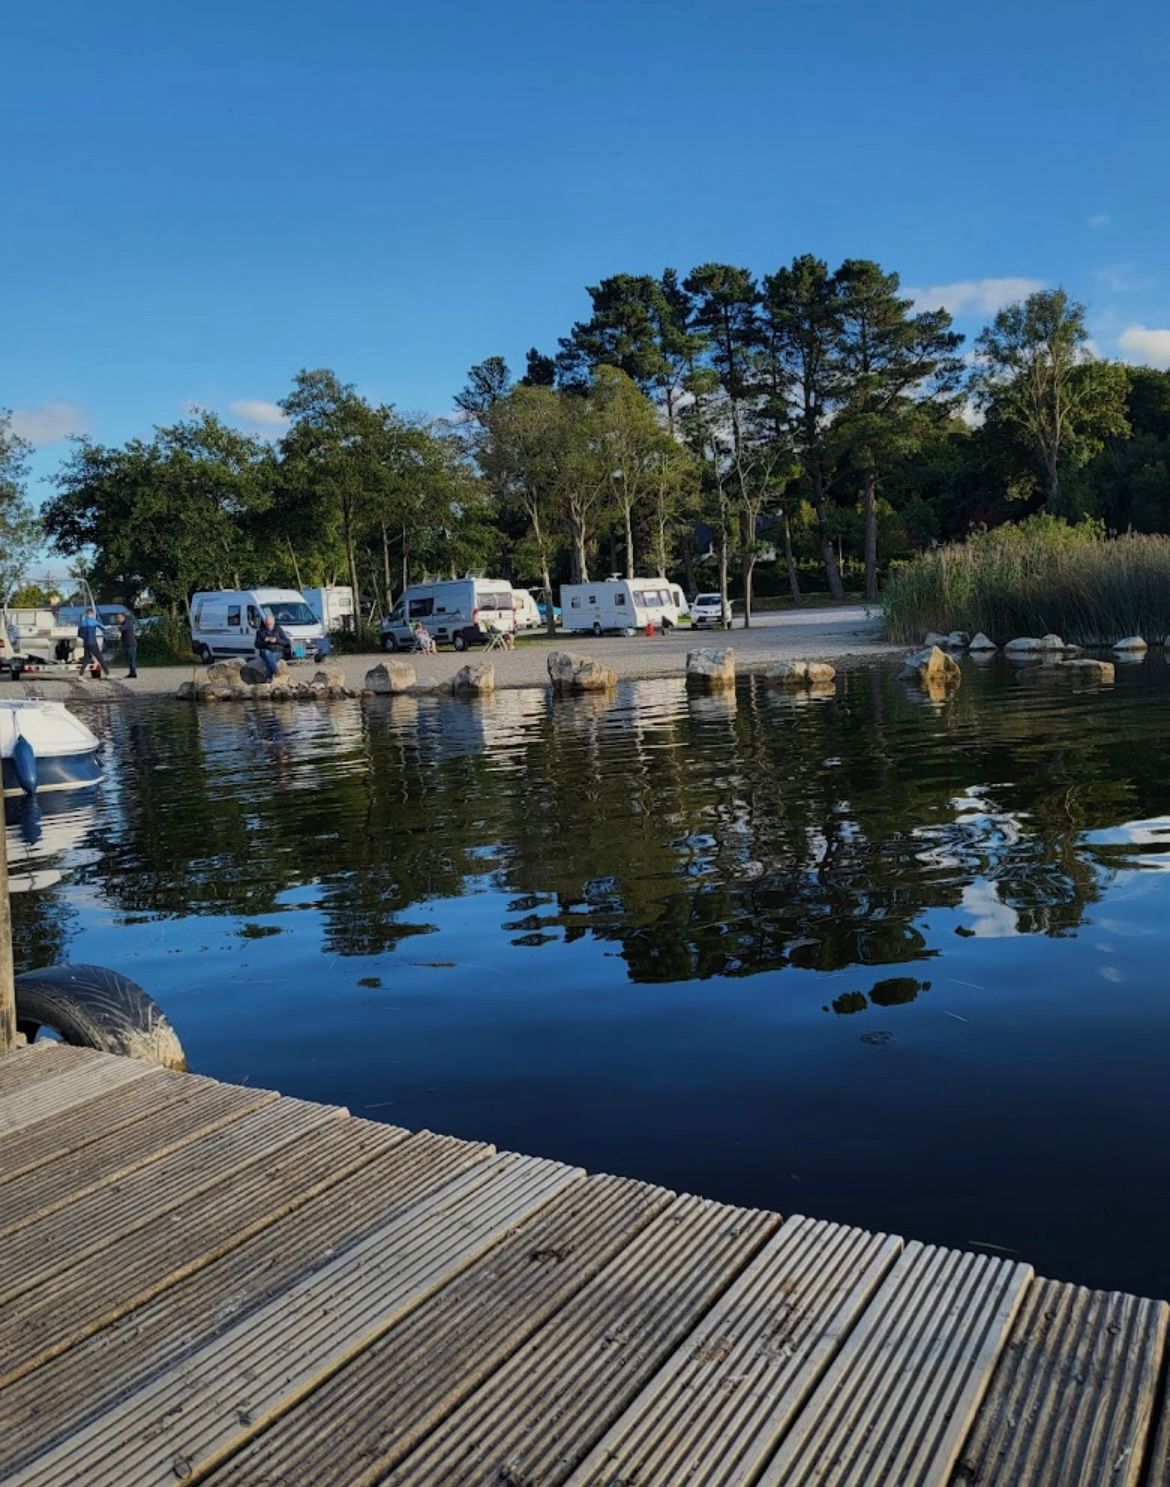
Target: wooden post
(7, 971)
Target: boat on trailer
(44, 747)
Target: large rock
(1052, 643)
(389, 677)
(932, 669)
(954, 640)
(225, 672)
(331, 676)
(821, 674)
(982, 643)
(1131, 643)
(255, 673)
(711, 670)
(188, 692)
(474, 679)
(787, 674)
(570, 672)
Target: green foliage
(166, 643)
(20, 531)
(1039, 577)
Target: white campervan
(333, 606)
(527, 614)
(618, 604)
(224, 622)
(454, 611)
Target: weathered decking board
(205, 1284)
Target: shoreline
(844, 637)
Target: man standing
(129, 642)
(89, 632)
(270, 642)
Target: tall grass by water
(1041, 577)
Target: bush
(166, 644)
(1040, 577)
(367, 637)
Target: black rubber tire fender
(97, 1008)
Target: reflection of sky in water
(859, 955)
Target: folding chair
(498, 641)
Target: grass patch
(1040, 577)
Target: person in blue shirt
(90, 633)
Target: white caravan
(224, 622)
(333, 606)
(527, 614)
(454, 611)
(618, 604)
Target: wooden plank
(1072, 1399)
(28, 1066)
(24, 1151)
(894, 1406)
(539, 1415)
(45, 1098)
(110, 1157)
(44, 1321)
(218, 1398)
(174, 1286)
(366, 1418)
(67, 1239)
(715, 1411)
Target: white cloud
(974, 296)
(1098, 219)
(1146, 344)
(256, 410)
(49, 423)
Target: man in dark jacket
(270, 642)
(129, 642)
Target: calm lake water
(866, 957)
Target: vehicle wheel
(206, 655)
(96, 1008)
(459, 643)
(389, 643)
(16, 673)
(597, 627)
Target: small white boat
(44, 747)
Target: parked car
(707, 609)
(459, 611)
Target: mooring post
(7, 970)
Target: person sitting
(270, 643)
(423, 640)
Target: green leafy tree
(896, 371)
(1036, 375)
(20, 531)
(487, 382)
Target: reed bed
(1041, 577)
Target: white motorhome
(333, 606)
(455, 611)
(618, 604)
(224, 622)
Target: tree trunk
(829, 557)
(579, 561)
(296, 565)
(1052, 479)
(789, 560)
(724, 604)
(749, 568)
(387, 589)
(405, 561)
(688, 562)
(870, 503)
(629, 515)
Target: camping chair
(498, 640)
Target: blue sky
(201, 199)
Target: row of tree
(812, 415)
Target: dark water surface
(868, 957)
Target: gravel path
(846, 634)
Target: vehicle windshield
(707, 599)
(290, 612)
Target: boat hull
(56, 772)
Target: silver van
(457, 611)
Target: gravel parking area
(841, 635)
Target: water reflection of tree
(726, 840)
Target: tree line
(812, 420)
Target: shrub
(166, 644)
(366, 637)
(1042, 576)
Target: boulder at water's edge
(711, 670)
(570, 672)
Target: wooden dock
(203, 1283)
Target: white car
(707, 609)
